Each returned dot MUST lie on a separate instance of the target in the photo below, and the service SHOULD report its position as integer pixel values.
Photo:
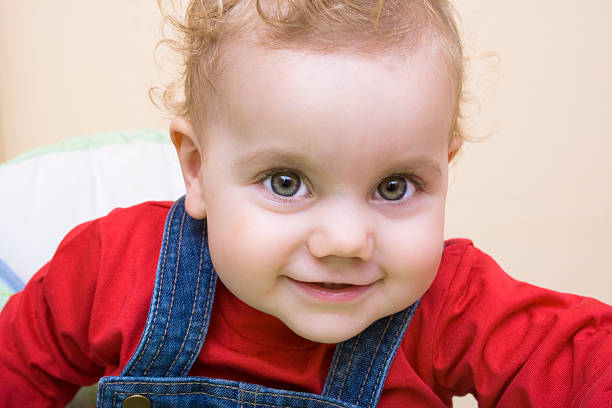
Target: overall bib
(156, 375)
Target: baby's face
(324, 179)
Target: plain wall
(536, 195)
(74, 67)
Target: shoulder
(120, 223)
(105, 242)
(469, 277)
(106, 267)
(472, 287)
(131, 237)
(463, 271)
(466, 278)
(475, 319)
(120, 247)
(141, 218)
(461, 262)
(125, 240)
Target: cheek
(248, 244)
(412, 252)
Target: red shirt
(476, 330)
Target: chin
(326, 332)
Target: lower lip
(350, 293)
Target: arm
(44, 351)
(512, 344)
(81, 316)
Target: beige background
(537, 194)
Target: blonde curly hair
(364, 27)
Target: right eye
(285, 184)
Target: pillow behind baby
(48, 191)
(9, 283)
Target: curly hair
(357, 26)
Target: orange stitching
(178, 257)
(397, 333)
(365, 379)
(255, 398)
(206, 308)
(349, 366)
(333, 374)
(234, 399)
(195, 297)
(161, 280)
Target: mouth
(332, 292)
(330, 285)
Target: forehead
(334, 110)
(259, 84)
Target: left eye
(285, 183)
(394, 188)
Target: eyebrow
(272, 155)
(420, 164)
(279, 157)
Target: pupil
(286, 181)
(285, 184)
(393, 188)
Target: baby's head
(315, 138)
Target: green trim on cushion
(5, 293)
(95, 140)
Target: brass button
(137, 401)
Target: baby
(314, 140)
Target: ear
(188, 148)
(454, 146)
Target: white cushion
(46, 192)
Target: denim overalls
(156, 375)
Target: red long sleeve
(512, 344)
(41, 354)
(80, 317)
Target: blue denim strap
(173, 392)
(360, 365)
(182, 299)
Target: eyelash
(277, 197)
(419, 184)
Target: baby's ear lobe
(454, 146)
(188, 149)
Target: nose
(342, 230)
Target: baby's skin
(323, 179)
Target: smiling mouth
(331, 291)
(330, 285)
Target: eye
(284, 183)
(394, 188)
